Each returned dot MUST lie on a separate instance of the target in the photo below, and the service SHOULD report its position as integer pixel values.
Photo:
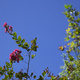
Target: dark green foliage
(40, 78)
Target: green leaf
(20, 45)
(23, 40)
(71, 58)
(17, 75)
(44, 73)
(66, 13)
(73, 36)
(78, 20)
(34, 41)
(34, 47)
(67, 39)
(31, 74)
(15, 38)
(77, 13)
(72, 44)
(63, 78)
(76, 32)
(7, 64)
(52, 77)
(34, 76)
(66, 62)
(11, 63)
(79, 56)
(10, 73)
(18, 42)
(26, 44)
(68, 6)
(40, 78)
(0, 68)
(70, 24)
(19, 38)
(21, 58)
(32, 56)
(6, 77)
(15, 34)
(78, 36)
(69, 33)
(25, 75)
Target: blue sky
(35, 18)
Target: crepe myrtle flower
(5, 24)
(17, 51)
(15, 55)
(8, 28)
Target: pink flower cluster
(15, 55)
(7, 28)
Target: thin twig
(28, 64)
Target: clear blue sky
(35, 18)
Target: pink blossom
(18, 51)
(12, 54)
(10, 28)
(12, 57)
(5, 24)
(6, 29)
(18, 57)
(15, 55)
